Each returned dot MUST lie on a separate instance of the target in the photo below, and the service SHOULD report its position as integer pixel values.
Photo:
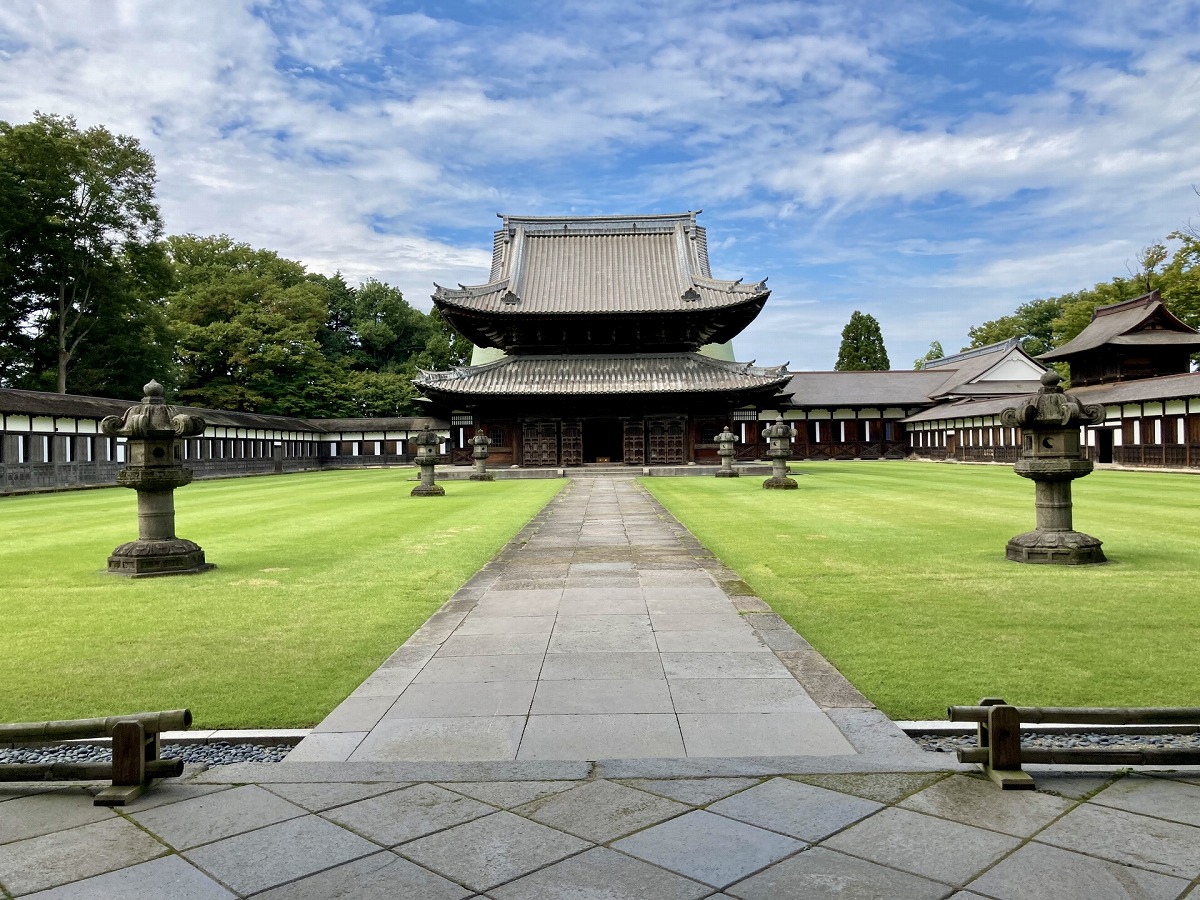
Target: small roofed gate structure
(1134, 359)
(601, 339)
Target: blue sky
(932, 163)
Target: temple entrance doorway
(602, 441)
(1104, 445)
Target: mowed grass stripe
(896, 572)
(320, 577)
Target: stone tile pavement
(603, 630)
(326, 830)
(605, 712)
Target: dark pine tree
(862, 347)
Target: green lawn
(896, 572)
(320, 577)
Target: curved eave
(624, 375)
(497, 299)
(516, 328)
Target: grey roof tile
(600, 265)
(1110, 324)
(38, 403)
(603, 374)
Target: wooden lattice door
(539, 444)
(666, 441)
(635, 442)
(572, 443)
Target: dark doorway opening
(603, 441)
(1104, 445)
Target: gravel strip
(942, 743)
(215, 754)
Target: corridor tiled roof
(39, 403)
(604, 374)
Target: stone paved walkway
(633, 724)
(604, 630)
(329, 830)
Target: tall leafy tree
(862, 348)
(79, 235)
(1032, 323)
(1181, 278)
(246, 323)
(935, 351)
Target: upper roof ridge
(956, 358)
(1145, 301)
(592, 224)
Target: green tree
(448, 347)
(1181, 278)
(862, 348)
(1032, 323)
(79, 237)
(246, 323)
(935, 351)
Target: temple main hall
(602, 339)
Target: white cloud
(859, 159)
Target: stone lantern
(154, 468)
(726, 439)
(1052, 458)
(481, 442)
(427, 455)
(780, 437)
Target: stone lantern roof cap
(152, 419)
(1052, 408)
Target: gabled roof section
(1002, 368)
(824, 390)
(665, 373)
(596, 265)
(1142, 321)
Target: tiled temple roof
(664, 373)
(1143, 320)
(601, 265)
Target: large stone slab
(60, 857)
(761, 734)
(601, 874)
(708, 847)
(974, 800)
(601, 811)
(165, 878)
(819, 873)
(601, 736)
(1037, 871)
(270, 856)
(798, 810)
(923, 845)
(202, 820)
(1125, 837)
(407, 814)
(383, 876)
(463, 698)
(611, 695)
(493, 850)
(443, 739)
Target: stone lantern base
(481, 476)
(727, 473)
(1055, 548)
(428, 490)
(780, 483)
(147, 559)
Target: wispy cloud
(936, 164)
